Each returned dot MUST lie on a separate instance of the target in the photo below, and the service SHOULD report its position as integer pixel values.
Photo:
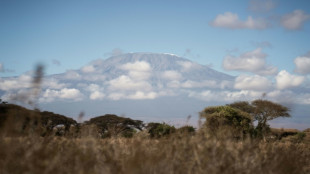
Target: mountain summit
(157, 64)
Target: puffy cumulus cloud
(50, 95)
(96, 92)
(286, 80)
(126, 83)
(294, 20)
(97, 95)
(256, 82)
(232, 21)
(139, 70)
(261, 5)
(88, 69)
(23, 81)
(253, 61)
(171, 75)
(302, 65)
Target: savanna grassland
(31, 146)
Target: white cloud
(53, 83)
(294, 20)
(202, 84)
(88, 69)
(126, 83)
(139, 95)
(302, 65)
(174, 84)
(225, 96)
(21, 82)
(96, 92)
(253, 61)
(187, 65)
(171, 75)
(139, 70)
(66, 93)
(97, 95)
(286, 80)
(137, 66)
(232, 21)
(257, 83)
(261, 5)
(116, 96)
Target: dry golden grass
(175, 154)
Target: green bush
(157, 130)
(227, 121)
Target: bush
(227, 121)
(157, 130)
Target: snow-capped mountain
(128, 84)
(146, 86)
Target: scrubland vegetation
(227, 142)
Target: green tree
(225, 120)
(262, 111)
(113, 125)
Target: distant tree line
(234, 120)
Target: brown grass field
(178, 153)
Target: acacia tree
(262, 111)
(113, 125)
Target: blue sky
(69, 34)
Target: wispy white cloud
(294, 20)
(286, 80)
(253, 61)
(232, 21)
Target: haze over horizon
(262, 44)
